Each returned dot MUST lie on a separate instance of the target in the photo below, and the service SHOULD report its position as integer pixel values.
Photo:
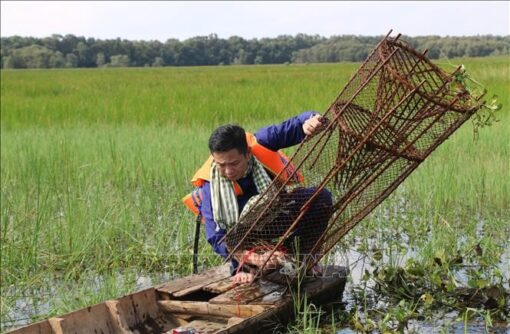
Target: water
(449, 322)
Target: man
(234, 174)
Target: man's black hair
(228, 137)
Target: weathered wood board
(244, 294)
(194, 281)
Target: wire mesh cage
(394, 111)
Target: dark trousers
(310, 226)
(272, 223)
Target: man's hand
(272, 262)
(242, 278)
(258, 260)
(314, 125)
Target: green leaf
(436, 278)
(427, 299)
(378, 255)
(482, 283)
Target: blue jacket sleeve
(213, 237)
(285, 134)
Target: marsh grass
(94, 164)
(183, 97)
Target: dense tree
(77, 51)
(71, 60)
(57, 60)
(86, 58)
(119, 61)
(158, 62)
(8, 62)
(33, 56)
(100, 59)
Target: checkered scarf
(224, 201)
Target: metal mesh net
(395, 110)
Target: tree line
(58, 51)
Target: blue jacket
(274, 137)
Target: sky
(161, 20)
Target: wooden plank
(243, 294)
(207, 277)
(234, 321)
(205, 308)
(93, 319)
(220, 286)
(186, 317)
(206, 326)
(193, 288)
(262, 322)
(56, 325)
(42, 327)
(111, 306)
(180, 321)
(140, 312)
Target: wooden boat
(206, 302)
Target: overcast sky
(162, 20)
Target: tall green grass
(469, 174)
(94, 162)
(185, 97)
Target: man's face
(232, 164)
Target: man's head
(230, 151)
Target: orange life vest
(273, 161)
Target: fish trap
(393, 112)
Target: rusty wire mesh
(395, 110)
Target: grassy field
(94, 163)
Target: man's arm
(290, 132)
(213, 237)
